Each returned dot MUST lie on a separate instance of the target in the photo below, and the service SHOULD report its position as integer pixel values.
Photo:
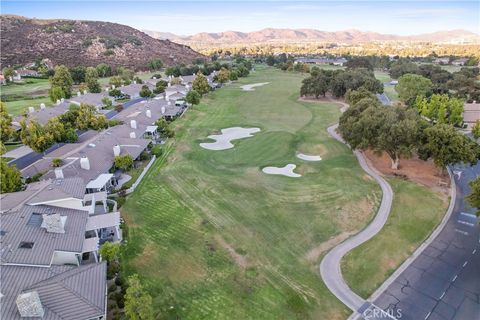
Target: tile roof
(72, 187)
(66, 292)
(16, 228)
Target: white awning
(90, 245)
(100, 182)
(151, 129)
(103, 221)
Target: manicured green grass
(389, 90)
(415, 213)
(193, 201)
(10, 147)
(19, 106)
(28, 87)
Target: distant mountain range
(270, 35)
(87, 43)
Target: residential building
(471, 114)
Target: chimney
(134, 81)
(62, 100)
(154, 78)
(42, 106)
(163, 109)
(169, 84)
(106, 89)
(31, 109)
(113, 86)
(133, 135)
(187, 86)
(84, 91)
(29, 305)
(58, 101)
(169, 102)
(85, 163)
(116, 150)
(58, 173)
(53, 223)
(148, 113)
(133, 124)
(79, 94)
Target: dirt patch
(354, 214)
(315, 253)
(240, 260)
(414, 169)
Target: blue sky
(188, 17)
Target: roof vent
(84, 91)
(133, 124)
(133, 135)
(163, 109)
(29, 305)
(31, 109)
(116, 150)
(79, 94)
(54, 223)
(59, 174)
(42, 106)
(148, 113)
(85, 163)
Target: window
(35, 220)
(26, 245)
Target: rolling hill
(75, 42)
(311, 35)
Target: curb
(420, 249)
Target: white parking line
(465, 233)
(466, 223)
(443, 295)
(474, 250)
(455, 278)
(465, 263)
(428, 315)
(470, 215)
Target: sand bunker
(250, 87)
(223, 140)
(307, 157)
(285, 171)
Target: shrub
(144, 156)
(119, 281)
(157, 150)
(56, 162)
(118, 107)
(114, 122)
(120, 202)
(109, 52)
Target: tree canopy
(411, 86)
(138, 303)
(91, 80)
(200, 84)
(35, 136)
(62, 79)
(6, 130)
(193, 97)
(10, 178)
(440, 108)
(124, 162)
(473, 198)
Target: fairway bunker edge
(223, 140)
(284, 171)
(250, 87)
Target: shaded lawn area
(10, 147)
(416, 211)
(28, 87)
(195, 207)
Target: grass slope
(388, 89)
(416, 211)
(215, 238)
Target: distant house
(94, 99)
(133, 89)
(26, 73)
(322, 60)
(175, 90)
(444, 60)
(187, 80)
(460, 62)
(471, 114)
